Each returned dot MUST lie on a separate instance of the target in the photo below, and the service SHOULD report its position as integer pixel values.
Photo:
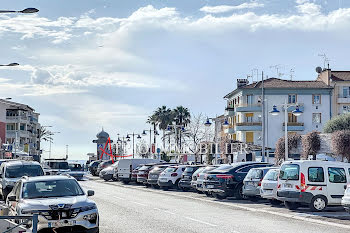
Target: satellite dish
(318, 69)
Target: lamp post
(51, 134)
(150, 130)
(122, 143)
(208, 124)
(176, 128)
(133, 141)
(296, 112)
(25, 11)
(11, 64)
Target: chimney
(242, 82)
(325, 76)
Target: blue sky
(92, 63)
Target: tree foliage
(45, 134)
(293, 141)
(341, 143)
(311, 144)
(341, 122)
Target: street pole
(50, 149)
(150, 141)
(66, 151)
(263, 118)
(133, 146)
(286, 130)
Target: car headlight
(88, 207)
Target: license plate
(61, 223)
(249, 183)
(210, 186)
(162, 179)
(287, 186)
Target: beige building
(340, 81)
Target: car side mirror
(90, 193)
(11, 198)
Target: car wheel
(291, 205)
(275, 202)
(253, 199)
(177, 184)
(219, 196)
(126, 182)
(318, 203)
(239, 192)
(208, 194)
(165, 188)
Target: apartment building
(22, 124)
(244, 109)
(340, 81)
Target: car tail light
(279, 186)
(224, 176)
(198, 175)
(174, 174)
(302, 182)
(259, 184)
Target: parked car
(195, 176)
(135, 172)
(103, 165)
(76, 170)
(314, 183)
(269, 186)
(93, 167)
(55, 166)
(227, 181)
(186, 178)
(59, 201)
(126, 166)
(200, 179)
(12, 171)
(142, 173)
(154, 173)
(108, 172)
(171, 176)
(346, 199)
(252, 182)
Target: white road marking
(196, 220)
(138, 203)
(120, 198)
(157, 209)
(167, 211)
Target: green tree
(45, 134)
(163, 116)
(182, 117)
(341, 143)
(341, 122)
(154, 122)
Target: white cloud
(301, 1)
(226, 8)
(309, 9)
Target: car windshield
(199, 170)
(23, 170)
(189, 169)
(170, 169)
(156, 169)
(59, 165)
(289, 172)
(271, 175)
(51, 188)
(76, 167)
(255, 174)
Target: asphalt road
(132, 208)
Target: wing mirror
(11, 198)
(90, 193)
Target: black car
(153, 175)
(226, 181)
(186, 178)
(93, 167)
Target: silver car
(58, 200)
(268, 188)
(252, 182)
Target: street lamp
(296, 112)
(150, 137)
(51, 134)
(133, 141)
(11, 64)
(25, 11)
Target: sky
(88, 64)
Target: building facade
(244, 109)
(340, 81)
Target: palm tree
(45, 134)
(153, 121)
(182, 117)
(164, 117)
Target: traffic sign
(158, 150)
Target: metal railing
(294, 124)
(248, 124)
(27, 219)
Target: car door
(13, 204)
(337, 181)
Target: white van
(312, 182)
(125, 167)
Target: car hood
(44, 203)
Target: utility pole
(66, 151)
(263, 117)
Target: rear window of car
(271, 175)
(336, 175)
(170, 169)
(223, 167)
(189, 169)
(15, 171)
(315, 174)
(145, 167)
(289, 172)
(255, 174)
(199, 170)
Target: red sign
(153, 148)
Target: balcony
(230, 130)
(20, 133)
(16, 119)
(249, 108)
(229, 111)
(343, 99)
(248, 126)
(294, 126)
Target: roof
(340, 75)
(48, 178)
(276, 83)
(14, 105)
(21, 162)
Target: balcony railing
(294, 124)
(343, 96)
(248, 123)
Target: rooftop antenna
(277, 67)
(325, 59)
(257, 74)
(291, 74)
(249, 76)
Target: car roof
(319, 162)
(262, 168)
(47, 178)
(20, 162)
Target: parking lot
(134, 208)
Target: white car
(58, 200)
(268, 188)
(107, 173)
(170, 177)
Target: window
(336, 175)
(249, 117)
(316, 174)
(245, 169)
(292, 118)
(292, 98)
(316, 99)
(346, 92)
(289, 172)
(249, 99)
(316, 118)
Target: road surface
(132, 208)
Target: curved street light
(25, 11)
(11, 64)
